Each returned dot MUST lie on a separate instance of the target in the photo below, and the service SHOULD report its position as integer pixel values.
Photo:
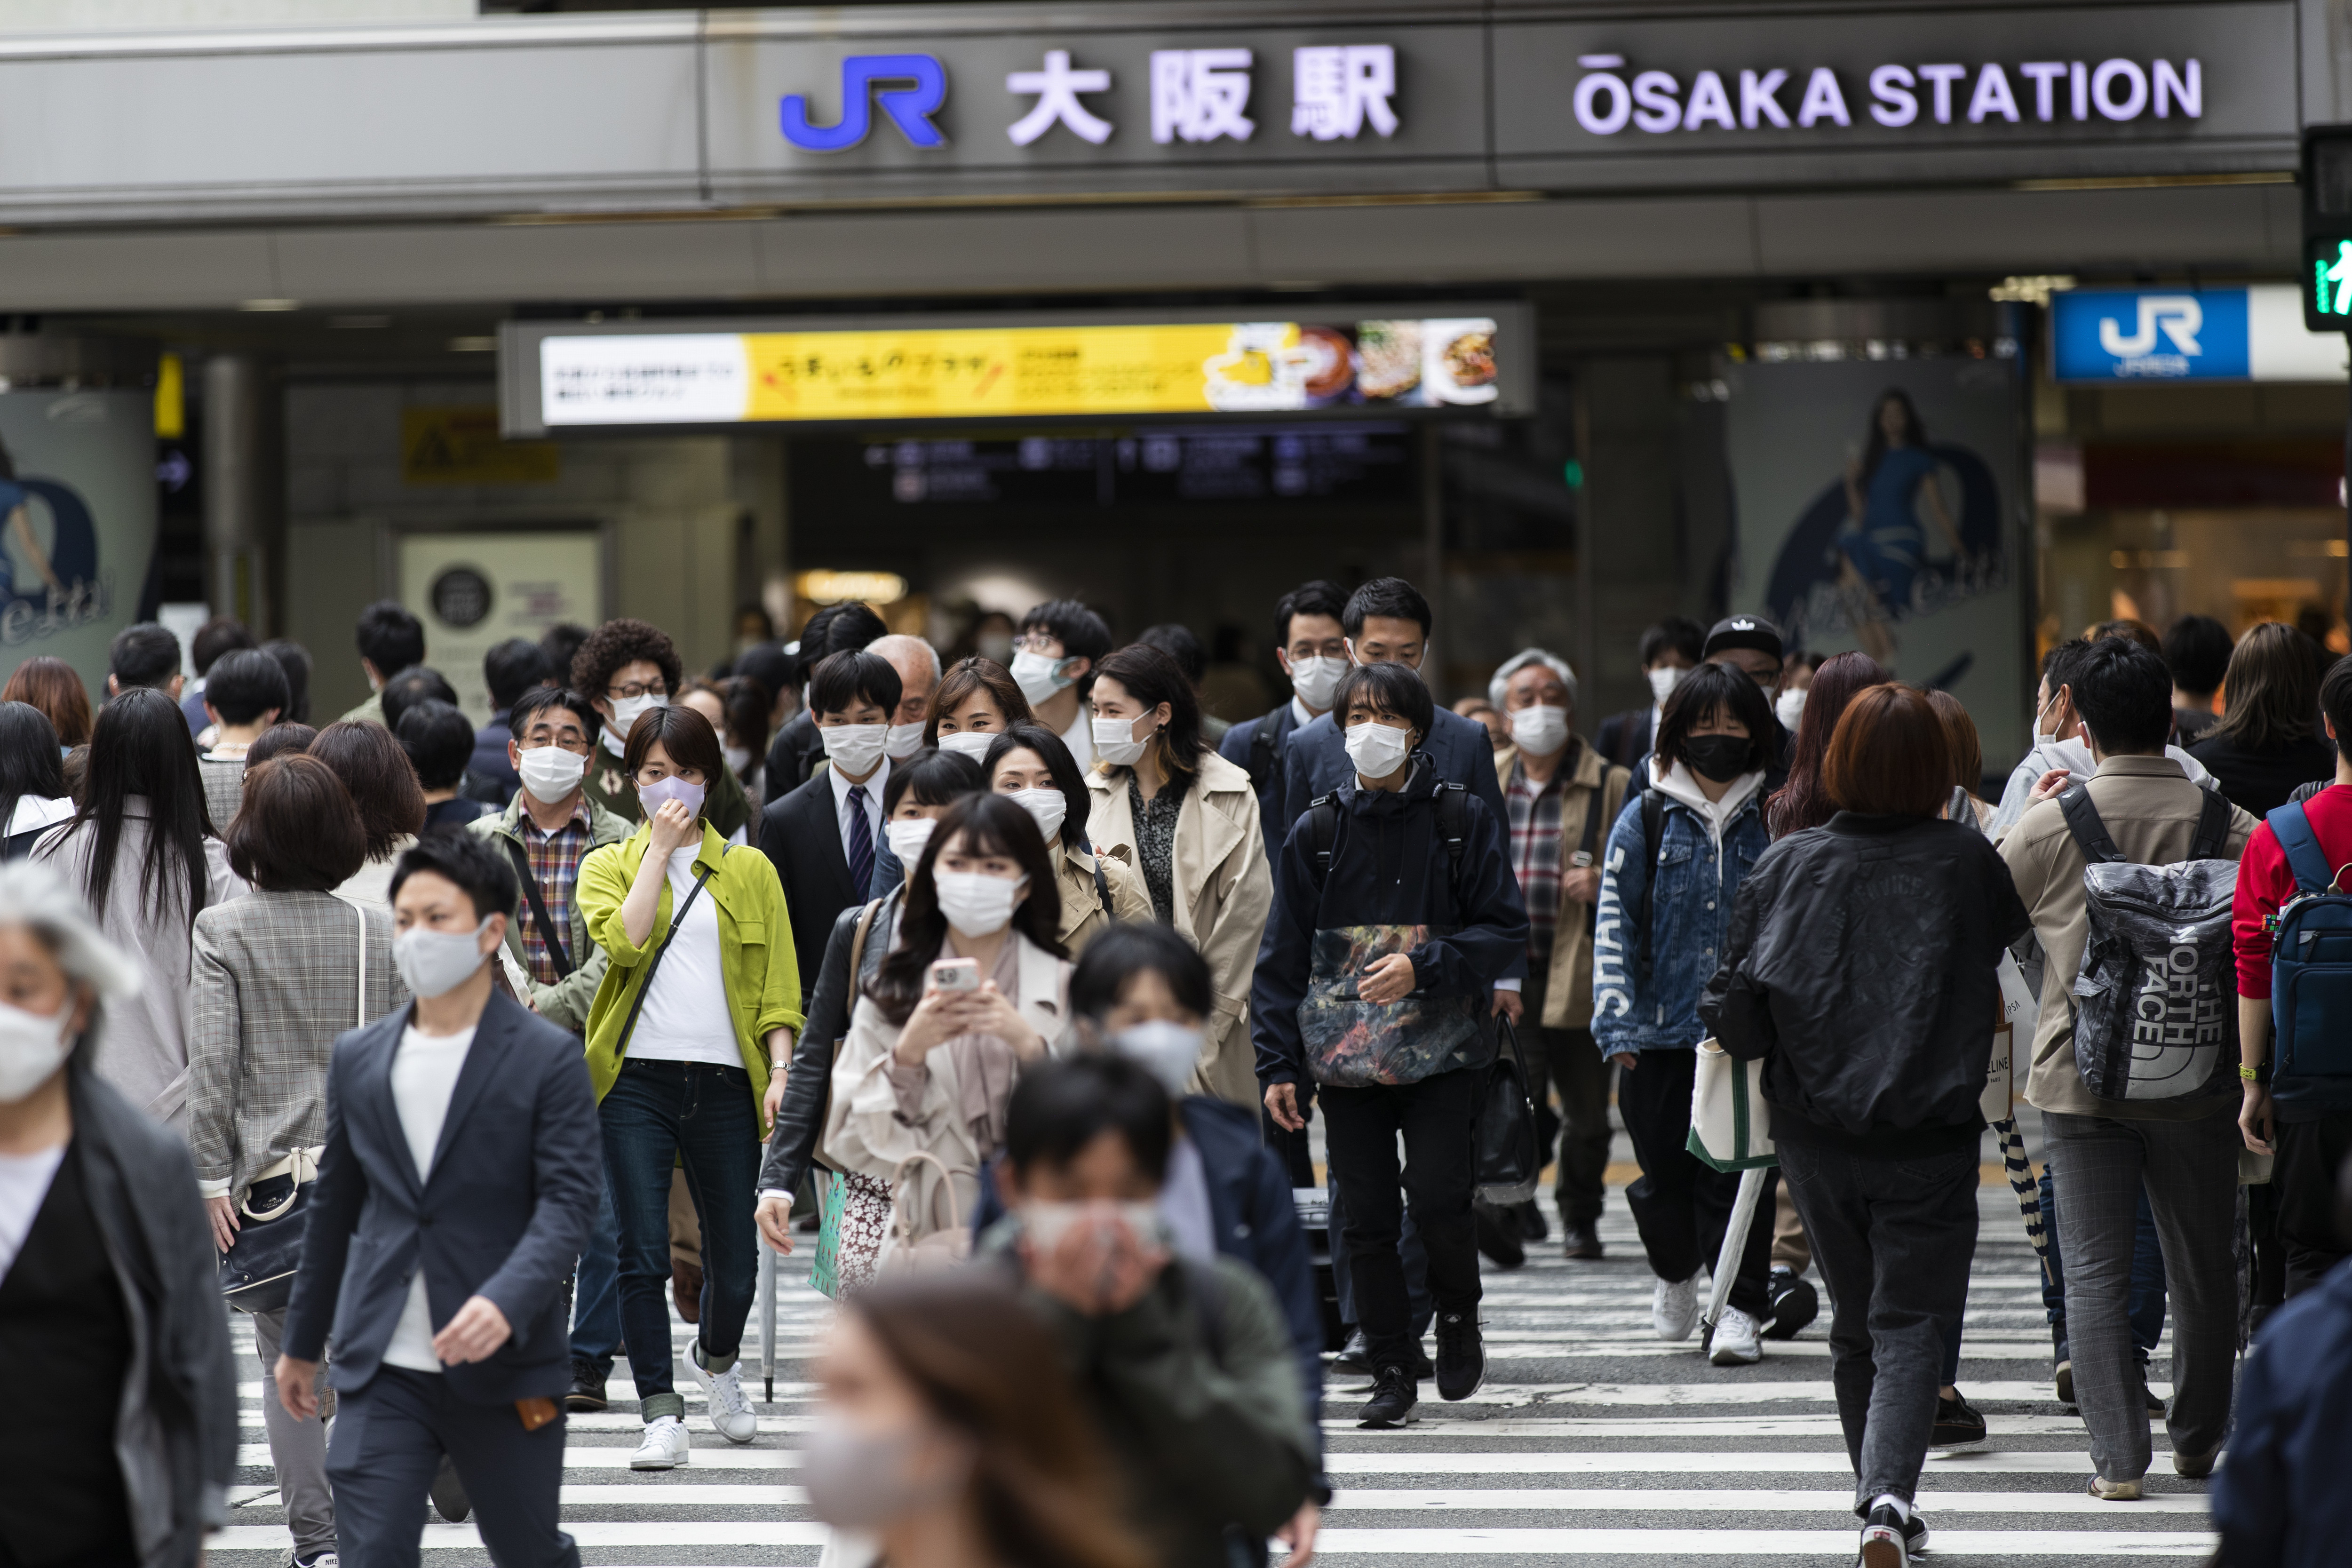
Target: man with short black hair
(245, 695)
(439, 741)
(2196, 650)
(821, 837)
(1054, 658)
(2104, 1153)
(221, 635)
(391, 639)
(508, 669)
(146, 653)
(835, 628)
(1312, 648)
(2058, 741)
(1669, 651)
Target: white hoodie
(1677, 782)
(2075, 756)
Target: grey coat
(277, 980)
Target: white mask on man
(33, 1046)
(904, 741)
(1663, 681)
(855, 749)
(1377, 750)
(1541, 729)
(1315, 678)
(550, 774)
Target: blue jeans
(2143, 1305)
(699, 1116)
(596, 1291)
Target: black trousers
(1567, 1061)
(2311, 1155)
(1435, 1116)
(1682, 1204)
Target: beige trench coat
(1568, 981)
(1082, 912)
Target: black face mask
(1722, 758)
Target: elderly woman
(111, 1318)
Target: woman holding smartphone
(976, 990)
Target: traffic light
(2327, 228)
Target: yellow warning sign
(461, 447)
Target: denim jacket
(1684, 886)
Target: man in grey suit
(464, 1156)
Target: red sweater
(2266, 883)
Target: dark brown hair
(50, 685)
(994, 824)
(1801, 803)
(297, 829)
(1967, 746)
(687, 736)
(1151, 677)
(987, 1367)
(1890, 755)
(2271, 687)
(382, 781)
(972, 675)
(277, 740)
(2130, 630)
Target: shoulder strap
(2304, 857)
(1454, 827)
(539, 915)
(1102, 890)
(1653, 828)
(857, 942)
(653, 964)
(1261, 753)
(2082, 822)
(1322, 832)
(1592, 814)
(2212, 827)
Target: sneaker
(1461, 1354)
(448, 1493)
(1734, 1344)
(1498, 1236)
(665, 1448)
(1673, 1309)
(730, 1409)
(1393, 1397)
(1886, 1538)
(1356, 1355)
(2106, 1490)
(1795, 1303)
(586, 1394)
(2065, 1382)
(1581, 1238)
(1957, 1424)
(2195, 1467)
(324, 1560)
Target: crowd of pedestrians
(457, 1058)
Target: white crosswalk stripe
(1592, 1443)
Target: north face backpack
(2311, 975)
(2156, 1001)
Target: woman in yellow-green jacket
(702, 995)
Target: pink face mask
(651, 796)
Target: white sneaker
(665, 1448)
(731, 1408)
(1735, 1339)
(1674, 1308)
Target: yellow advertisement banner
(982, 373)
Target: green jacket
(1200, 1401)
(726, 807)
(565, 1003)
(755, 948)
(368, 712)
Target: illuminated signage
(2253, 334)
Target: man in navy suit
(464, 1159)
(1314, 654)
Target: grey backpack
(2156, 1001)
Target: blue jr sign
(909, 107)
(2173, 334)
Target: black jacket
(1389, 866)
(801, 837)
(795, 750)
(1624, 738)
(1859, 967)
(2259, 781)
(800, 1119)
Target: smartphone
(956, 974)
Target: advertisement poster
(473, 591)
(1877, 509)
(77, 524)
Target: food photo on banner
(76, 522)
(1876, 508)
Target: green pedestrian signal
(2332, 281)
(2326, 182)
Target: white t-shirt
(424, 1076)
(1080, 738)
(23, 1186)
(686, 1017)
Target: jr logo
(2178, 316)
(909, 107)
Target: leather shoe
(1355, 1356)
(586, 1394)
(1498, 1236)
(686, 1288)
(448, 1493)
(1579, 1239)
(1531, 1221)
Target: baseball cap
(1742, 631)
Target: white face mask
(1663, 681)
(1788, 706)
(977, 904)
(738, 759)
(855, 749)
(1541, 729)
(1039, 676)
(904, 741)
(550, 774)
(1167, 1050)
(1047, 805)
(626, 710)
(434, 962)
(1315, 678)
(1378, 749)
(908, 836)
(973, 744)
(1047, 1222)
(33, 1047)
(1115, 741)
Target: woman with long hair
(144, 852)
(383, 786)
(33, 797)
(1801, 801)
(1188, 819)
(1887, 488)
(2268, 739)
(50, 684)
(1027, 763)
(949, 1432)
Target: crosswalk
(1591, 1443)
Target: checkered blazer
(277, 980)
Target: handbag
(1727, 1126)
(852, 1221)
(1508, 1159)
(2018, 1012)
(256, 1273)
(909, 1254)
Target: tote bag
(852, 1221)
(2018, 1012)
(1728, 1117)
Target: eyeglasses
(1037, 642)
(568, 738)
(638, 688)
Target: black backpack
(1453, 827)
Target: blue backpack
(2311, 975)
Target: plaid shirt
(1535, 852)
(555, 865)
